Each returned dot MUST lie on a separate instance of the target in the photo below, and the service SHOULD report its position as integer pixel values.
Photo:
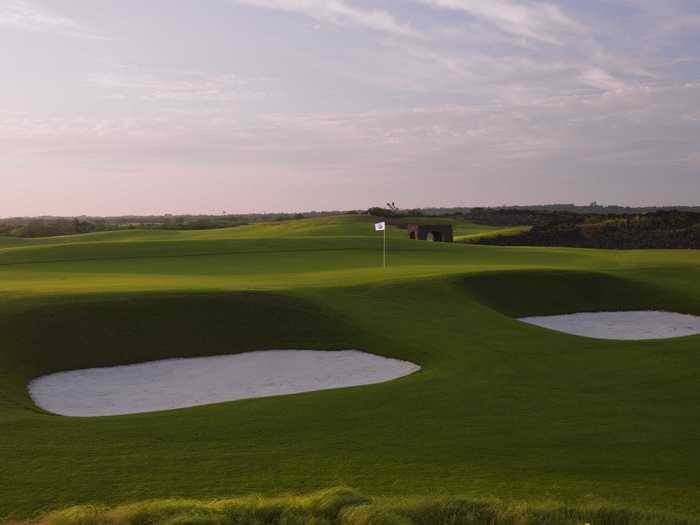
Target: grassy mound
(342, 506)
(89, 332)
(523, 293)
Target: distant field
(500, 409)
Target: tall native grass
(344, 506)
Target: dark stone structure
(438, 232)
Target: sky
(187, 106)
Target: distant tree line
(48, 228)
(521, 215)
(395, 212)
(592, 208)
(660, 229)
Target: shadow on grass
(537, 292)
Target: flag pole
(384, 257)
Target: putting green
(499, 409)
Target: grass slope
(478, 233)
(499, 409)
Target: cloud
(516, 93)
(600, 79)
(27, 16)
(338, 12)
(538, 21)
(177, 86)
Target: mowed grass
(500, 409)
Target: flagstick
(384, 253)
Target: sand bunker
(180, 383)
(636, 325)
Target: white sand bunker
(635, 325)
(180, 383)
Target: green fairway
(500, 409)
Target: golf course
(499, 410)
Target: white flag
(379, 226)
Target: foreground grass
(344, 506)
(499, 409)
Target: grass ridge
(346, 506)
